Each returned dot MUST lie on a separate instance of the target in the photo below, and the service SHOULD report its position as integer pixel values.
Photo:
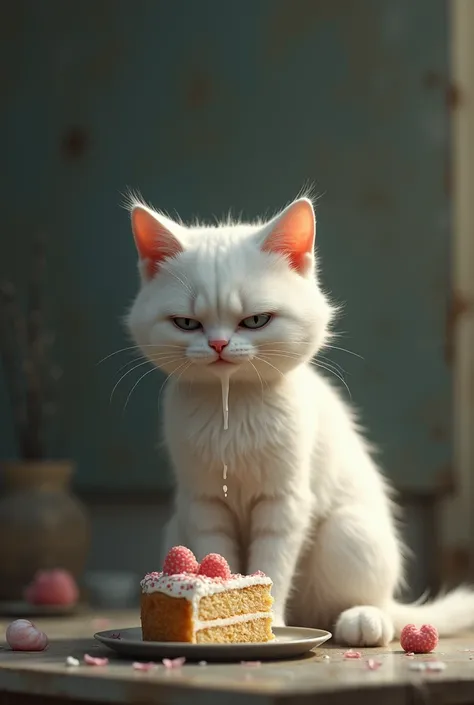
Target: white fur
(306, 502)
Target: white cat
(306, 503)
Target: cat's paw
(364, 626)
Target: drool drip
(225, 413)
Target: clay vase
(42, 524)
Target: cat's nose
(218, 345)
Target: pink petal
(352, 654)
(116, 635)
(373, 665)
(173, 662)
(137, 666)
(95, 661)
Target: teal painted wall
(207, 106)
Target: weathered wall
(209, 106)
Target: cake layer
(256, 598)
(167, 618)
(250, 631)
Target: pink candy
(22, 635)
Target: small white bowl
(110, 589)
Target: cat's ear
(154, 238)
(292, 234)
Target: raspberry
(419, 641)
(214, 566)
(180, 560)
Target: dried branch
(35, 352)
(25, 351)
(12, 350)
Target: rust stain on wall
(198, 91)
(75, 143)
(459, 306)
(454, 96)
(290, 21)
(433, 80)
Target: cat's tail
(450, 613)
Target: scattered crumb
(417, 666)
(116, 635)
(251, 664)
(71, 661)
(325, 657)
(352, 654)
(171, 663)
(137, 666)
(409, 653)
(202, 663)
(373, 665)
(435, 666)
(427, 666)
(95, 660)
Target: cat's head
(234, 299)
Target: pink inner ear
(293, 234)
(154, 241)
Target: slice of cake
(205, 603)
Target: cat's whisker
(186, 286)
(144, 362)
(169, 376)
(183, 371)
(140, 364)
(258, 357)
(156, 357)
(341, 379)
(153, 369)
(297, 341)
(294, 356)
(350, 352)
(130, 362)
(137, 347)
(328, 361)
(259, 377)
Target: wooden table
(324, 676)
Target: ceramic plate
(289, 641)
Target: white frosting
(194, 587)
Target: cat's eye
(255, 322)
(188, 324)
